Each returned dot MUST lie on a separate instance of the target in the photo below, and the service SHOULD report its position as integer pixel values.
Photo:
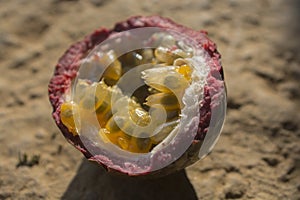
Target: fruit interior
(130, 121)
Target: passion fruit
(146, 97)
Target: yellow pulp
(69, 110)
(97, 98)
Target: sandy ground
(257, 156)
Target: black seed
(102, 107)
(113, 126)
(68, 113)
(143, 143)
(169, 100)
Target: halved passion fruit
(146, 97)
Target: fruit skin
(67, 68)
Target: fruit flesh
(164, 90)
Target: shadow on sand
(93, 182)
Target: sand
(257, 155)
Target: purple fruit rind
(67, 69)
